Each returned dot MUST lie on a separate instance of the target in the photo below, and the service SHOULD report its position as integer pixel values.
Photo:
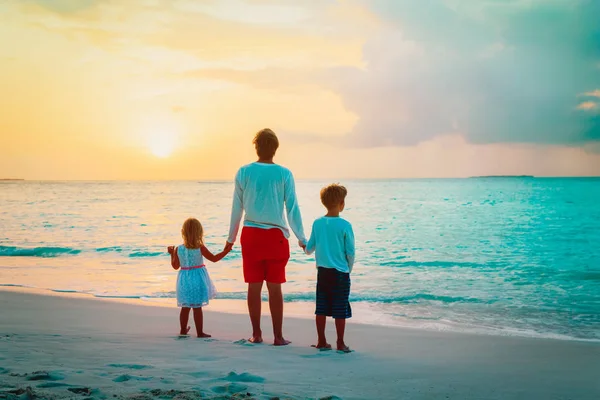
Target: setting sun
(161, 144)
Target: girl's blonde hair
(193, 233)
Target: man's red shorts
(265, 253)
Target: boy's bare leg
(199, 322)
(340, 327)
(254, 309)
(184, 317)
(321, 321)
(276, 307)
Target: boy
(333, 240)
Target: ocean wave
(136, 254)
(12, 251)
(310, 296)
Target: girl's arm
(174, 257)
(214, 257)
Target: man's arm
(237, 209)
(349, 247)
(293, 209)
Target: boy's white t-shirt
(332, 239)
(262, 191)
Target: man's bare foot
(281, 342)
(182, 333)
(322, 346)
(256, 339)
(204, 335)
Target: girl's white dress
(194, 287)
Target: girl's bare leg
(184, 317)
(199, 322)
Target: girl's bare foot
(182, 333)
(281, 342)
(322, 346)
(256, 339)
(204, 335)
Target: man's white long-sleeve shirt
(264, 191)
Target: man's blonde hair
(193, 234)
(266, 143)
(333, 195)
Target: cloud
(587, 105)
(65, 6)
(493, 71)
(594, 93)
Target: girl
(194, 287)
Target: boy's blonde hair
(333, 195)
(193, 234)
(266, 143)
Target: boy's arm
(312, 242)
(293, 209)
(174, 257)
(236, 209)
(349, 246)
(213, 257)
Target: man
(263, 190)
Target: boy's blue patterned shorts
(333, 290)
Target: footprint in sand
(243, 377)
(230, 388)
(48, 385)
(244, 342)
(199, 374)
(45, 376)
(176, 394)
(127, 377)
(130, 366)
(319, 354)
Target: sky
(176, 89)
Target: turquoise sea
(513, 256)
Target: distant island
(11, 179)
(502, 176)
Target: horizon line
(16, 180)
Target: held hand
(302, 245)
(228, 247)
(171, 249)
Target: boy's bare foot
(281, 342)
(182, 333)
(204, 335)
(341, 346)
(322, 346)
(256, 339)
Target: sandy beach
(75, 347)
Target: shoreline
(299, 310)
(114, 349)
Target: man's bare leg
(276, 307)
(254, 310)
